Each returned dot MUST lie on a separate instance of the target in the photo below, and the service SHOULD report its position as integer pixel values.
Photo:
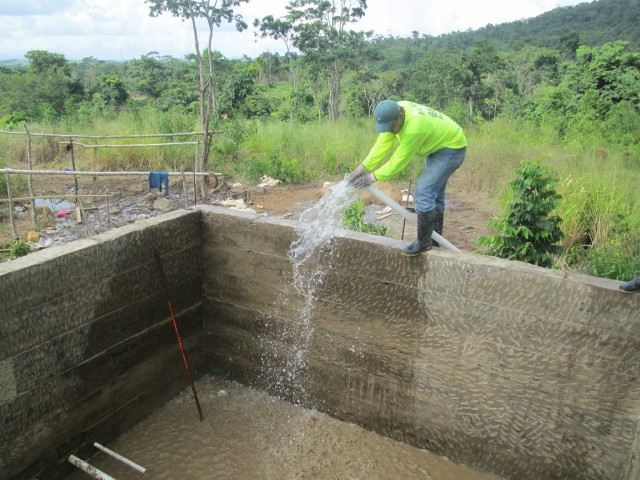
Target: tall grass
(598, 181)
(600, 208)
(304, 153)
(48, 152)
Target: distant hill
(563, 29)
(595, 23)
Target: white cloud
(122, 29)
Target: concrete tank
(520, 371)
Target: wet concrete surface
(247, 434)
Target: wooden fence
(209, 178)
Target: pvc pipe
(412, 217)
(119, 457)
(89, 469)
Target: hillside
(595, 23)
(563, 29)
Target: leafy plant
(354, 220)
(528, 230)
(615, 261)
(19, 248)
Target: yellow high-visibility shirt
(424, 131)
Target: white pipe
(383, 197)
(89, 469)
(117, 456)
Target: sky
(123, 29)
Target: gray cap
(385, 113)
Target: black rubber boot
(425, 229)
(632, 286)
(438, 224)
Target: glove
(360, 170)
(363, 180)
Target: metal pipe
(119, 457)
(406, 204)
(165, 287)
(383, 197)
(89, 469)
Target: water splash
(322, 220)
(318, 225)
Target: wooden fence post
(13, 222)
(34, 215)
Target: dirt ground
(465, 218)
(131, 201)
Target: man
(417, 130)
(631, 286)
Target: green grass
(307, 152)
(598, 180)
(600, 207)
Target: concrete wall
(520, 371)
(85, 336)
(524, 372)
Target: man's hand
(360, 170)
(363, 180)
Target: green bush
(13, 121)
(354, 220)
(19, 248)
(528, 231)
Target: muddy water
(248, 435)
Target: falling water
(318, 225)
(321, 222)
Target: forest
(561, 90)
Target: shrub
(354, 220)
(19, 248)
(528, 231)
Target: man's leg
(430, 188)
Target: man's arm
(401, 158)
(380, 149)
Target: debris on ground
(235, 204)
(406, 197)
(267, 181)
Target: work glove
(363, 180)
(360, 170)
(360, 178)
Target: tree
(147, 75)
(436, 79)
(605, 76)
(43, 62)
(241, 84)
(113, 89)
(268, 67)
(44, 90)
(220, 11)
(320, 33)
(282, 29)
(480, 63)
(569, 43)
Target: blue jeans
(438, 167)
